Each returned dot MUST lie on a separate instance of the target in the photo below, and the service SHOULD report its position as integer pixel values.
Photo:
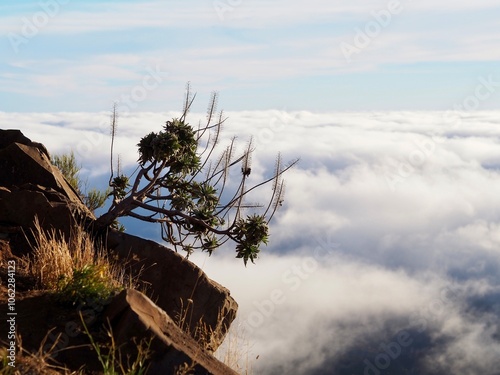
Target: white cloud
(105, 16)
(351, 263)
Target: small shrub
(86, 285)
(70, 169)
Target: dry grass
(207, 337)
(55, 258)
(235, 351)
(51, 258)
(38, 363)
(113, 361)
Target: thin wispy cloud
(329, 55)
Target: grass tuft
(76, 270)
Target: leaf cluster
(249, 234)
(176, 146)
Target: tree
(70, 169)
(181, 185)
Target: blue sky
(83, 56)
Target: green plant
(180, 185)
(86, 285)
(111, 359)
(70, 169)
(95, 199)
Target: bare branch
(114, 126)
(187, 102)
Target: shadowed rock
(135, 318)
(31, 186)
(177, 285)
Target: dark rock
(9, 136)
(46, 328)
(31, 186)
(135, 318)
(20, 206)
(177, 285)
(27, 162)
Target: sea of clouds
(385, 256)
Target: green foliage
(250, 233)
(119, 186)
(95, 199)
(70, 169)
(87, 285)
(175, 146)
(5, 369)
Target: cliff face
(30, 186)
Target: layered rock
(135, 318)
(31, 186)
(177, 285)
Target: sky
(384, 258)
(71, 55)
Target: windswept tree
(183, 182)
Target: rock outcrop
(30, 186)
(177, 285)
(135, 318)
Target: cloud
(106, 16)
(385, 256)
(95, 51)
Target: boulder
(25, 162)
(134, 318)
(31, 186)
(20, 205)
(177, 285)
(44, 326)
